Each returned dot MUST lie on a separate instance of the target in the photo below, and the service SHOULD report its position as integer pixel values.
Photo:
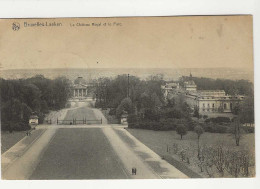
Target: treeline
(145, 104)
(231, 87)
(20, 98)
(136, 96)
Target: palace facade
(209, 102)
(212, 101)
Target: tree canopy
(19, 98)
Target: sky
(137, 42)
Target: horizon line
(3, 69)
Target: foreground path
(79, 153)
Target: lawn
(10, 139)
(159, 140)
(82, 113)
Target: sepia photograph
(169, 97)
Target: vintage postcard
(127, 98)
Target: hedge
(249, 129)
(218, 120)
(215, 128)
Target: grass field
(159, 140)
(82, 113)
(10, 139)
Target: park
(124, 128)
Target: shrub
(174, 114)
(220, 129)
(168, 124)
(248, 129)
(222, 120)
(205, 116)
(218, 120)
(190, 124)
(207, 120)
(112, 111)
(215, 128)
(151, 115)
(132, 118)
(208, 128)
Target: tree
(199, 130)
(20, 97)
(181, 130)
(237, 130)
(196, 112)
(246, 115)
(125, 105)
(156, 101)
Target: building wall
(211, 105)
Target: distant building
(80, 90)
(190, 85)
(212, 101)
(208, 102)
(169, 88)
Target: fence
(74, 121)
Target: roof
(77, 86)
(172, 84)
(190, 82)
(34, 117)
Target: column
(74, 92)
(81, 92)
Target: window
(208, 105)
(203, 105)
(225, 106)
(213, 105)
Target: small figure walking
(133, 171)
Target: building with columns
(80, 89)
